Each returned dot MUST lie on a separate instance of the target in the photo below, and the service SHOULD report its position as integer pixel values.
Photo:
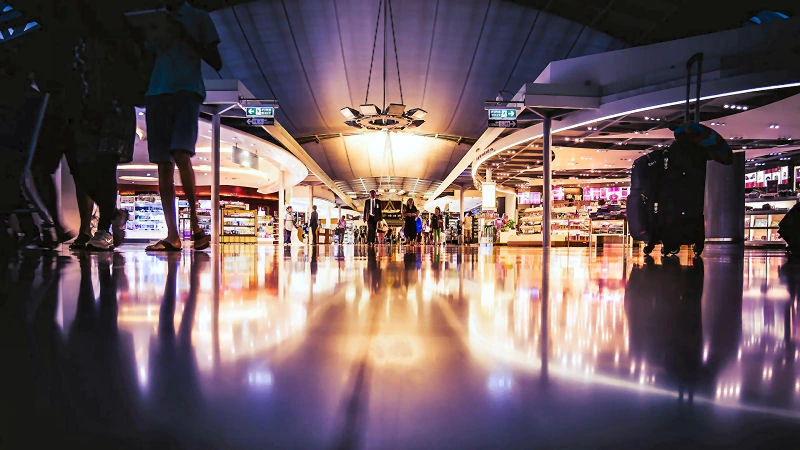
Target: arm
(206, 48)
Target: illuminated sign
(260, 111)
(502, 114)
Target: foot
(80, 242)
(102, 241)
(201, 240)
(118, 226)
(163, 246)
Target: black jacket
(314, 221)
(378, 210)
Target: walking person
(341, 226)
(288, 225)
(313, 223)
(410, 215)
(373, 213)
(436, 226)
(105, 60)
(467, 228)
(173, 106)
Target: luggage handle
(696, 58)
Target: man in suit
(373, 213)
(313, 223)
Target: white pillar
(216, 220)
(310, 209)
(281, 208)
(511, 206)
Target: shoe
(80, 242)
(102, 241)
(201, 240)
(162, 246)
(118, 226)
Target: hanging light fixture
(394, 115)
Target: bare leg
(184, 162)
(166, 188)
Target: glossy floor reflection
(349, 347)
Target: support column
(310, 209)
(461, 211)
(216, 220)
(724, 203)
(547, 194)
(281, 208)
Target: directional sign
(259, 111)
(260, 121)
(502, 114)
(502, 124)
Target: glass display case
(761, 220)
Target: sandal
(201, 240)
(162, 246)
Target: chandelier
(393, 116)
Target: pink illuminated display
(608, 194)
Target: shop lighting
(774, 126)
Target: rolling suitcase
(681, 187)
(645, 174)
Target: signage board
(244, 158)
(502, 114)
(503, 124)
(260, 111)
(489, 196)
(260, 121)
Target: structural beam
(278, 132)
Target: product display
(238, 225)
(145, 217)
(762, 217)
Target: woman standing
(436, 226)
(410, 213)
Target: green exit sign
(502, 114)
(260, 111)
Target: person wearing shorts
(173, 102)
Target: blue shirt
(177, 65)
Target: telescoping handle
(696, 58)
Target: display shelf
(567, 224)
(145, 217)
(267, 231)
(761, 225)
(614, 228)
(238, 226)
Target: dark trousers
(314, 235)
(372, 228)
(287, 236)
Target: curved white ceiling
(314, 57)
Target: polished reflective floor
(343, 347)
